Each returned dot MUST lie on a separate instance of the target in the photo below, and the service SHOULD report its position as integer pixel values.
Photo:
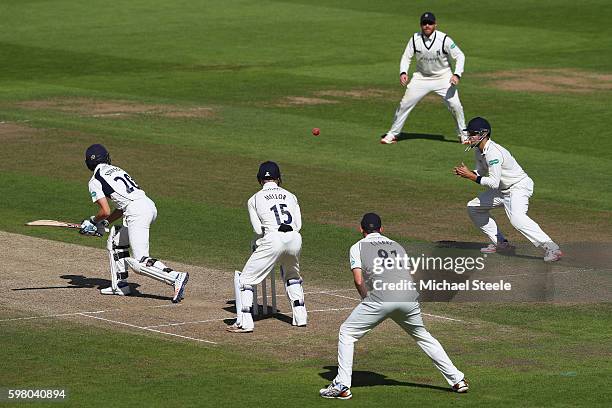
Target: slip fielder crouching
(508, 186)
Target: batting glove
(89, 227)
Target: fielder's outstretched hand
(463, 171)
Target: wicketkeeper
(277, 220)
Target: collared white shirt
(433, 55)
(498, 168)
(114, 183)
(272, 206)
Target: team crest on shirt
(93, 194)
(494, 161)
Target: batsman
(138, 212)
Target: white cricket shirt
(272, 206)
(433, 55)
(114, 183)
(497, 167)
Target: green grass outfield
(539, 360)
(242, 59)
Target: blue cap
(268, 171)
(371, 222)
(429, 17)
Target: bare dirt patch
(16, 131)
(303, 101)
(63, 280)
(549, 81)
(431, 98)
(368, 93)
(117, 108)
(333, 96)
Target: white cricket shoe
(461, 387)
(123, 289)
(552, 255)
(235, 328)
(504, 247)
(336, 390)
(388, 139)
(179, 286)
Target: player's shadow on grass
(82, 282)
(370, 379)
(427, 136)
(231, 307)
(475, 246)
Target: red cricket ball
(316, 132)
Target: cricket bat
(54, 223)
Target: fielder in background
(433, 51)
(379, 303)
(138, 212)
(277, 220)
(508, 186)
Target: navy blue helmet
(477, 129)
(268, 171)
(96, 154)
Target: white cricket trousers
(368, 315)
(417, 88)
(516, 203)
(275, 247)
(138, 217)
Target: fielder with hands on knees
(138, 212)
(378, 304)
(432, 50)
(276, 219)
(508, 186)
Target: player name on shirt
(275, 196)
(379, 243)
(111, 171)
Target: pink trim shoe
(388, 139)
